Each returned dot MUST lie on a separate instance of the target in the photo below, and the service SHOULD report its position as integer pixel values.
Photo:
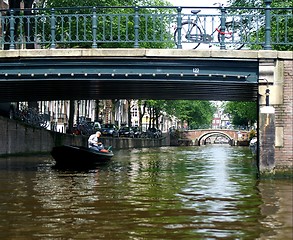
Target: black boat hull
(77, 155)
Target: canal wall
(18, 138)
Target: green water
(208, 192)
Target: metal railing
(146, 27)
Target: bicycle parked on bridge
(194, 33)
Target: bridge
(57, 69)
(200, 136)
(64, 54)
(72, 74)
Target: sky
(206, 3)
(197, 4)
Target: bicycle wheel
(191, 36)
(234, 37)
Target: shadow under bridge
(73, 78)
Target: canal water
(206, 192)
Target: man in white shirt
(93, 141)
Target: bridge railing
(147, 27)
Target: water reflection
(277, 208)
(208, 192)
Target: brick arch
(212, 133)
(198, 134)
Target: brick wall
(284, 119)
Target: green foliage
(281, 23)
(242, 113)
(115, 26)
(195, 113)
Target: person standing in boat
(94, 142)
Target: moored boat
(69, 155)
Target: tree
(113, 24)
(141, 110)
(281, 22)
(196, 113)
(242, 113)
(155, 110)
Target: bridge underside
(32, 79)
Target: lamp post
(267, 97)
(267, 92)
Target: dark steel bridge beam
(128, 78)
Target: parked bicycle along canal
(207, 192)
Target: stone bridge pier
(275, 140)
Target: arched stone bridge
(200, 136)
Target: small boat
(69, 155)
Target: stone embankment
(17, 138)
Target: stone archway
(204, 136)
